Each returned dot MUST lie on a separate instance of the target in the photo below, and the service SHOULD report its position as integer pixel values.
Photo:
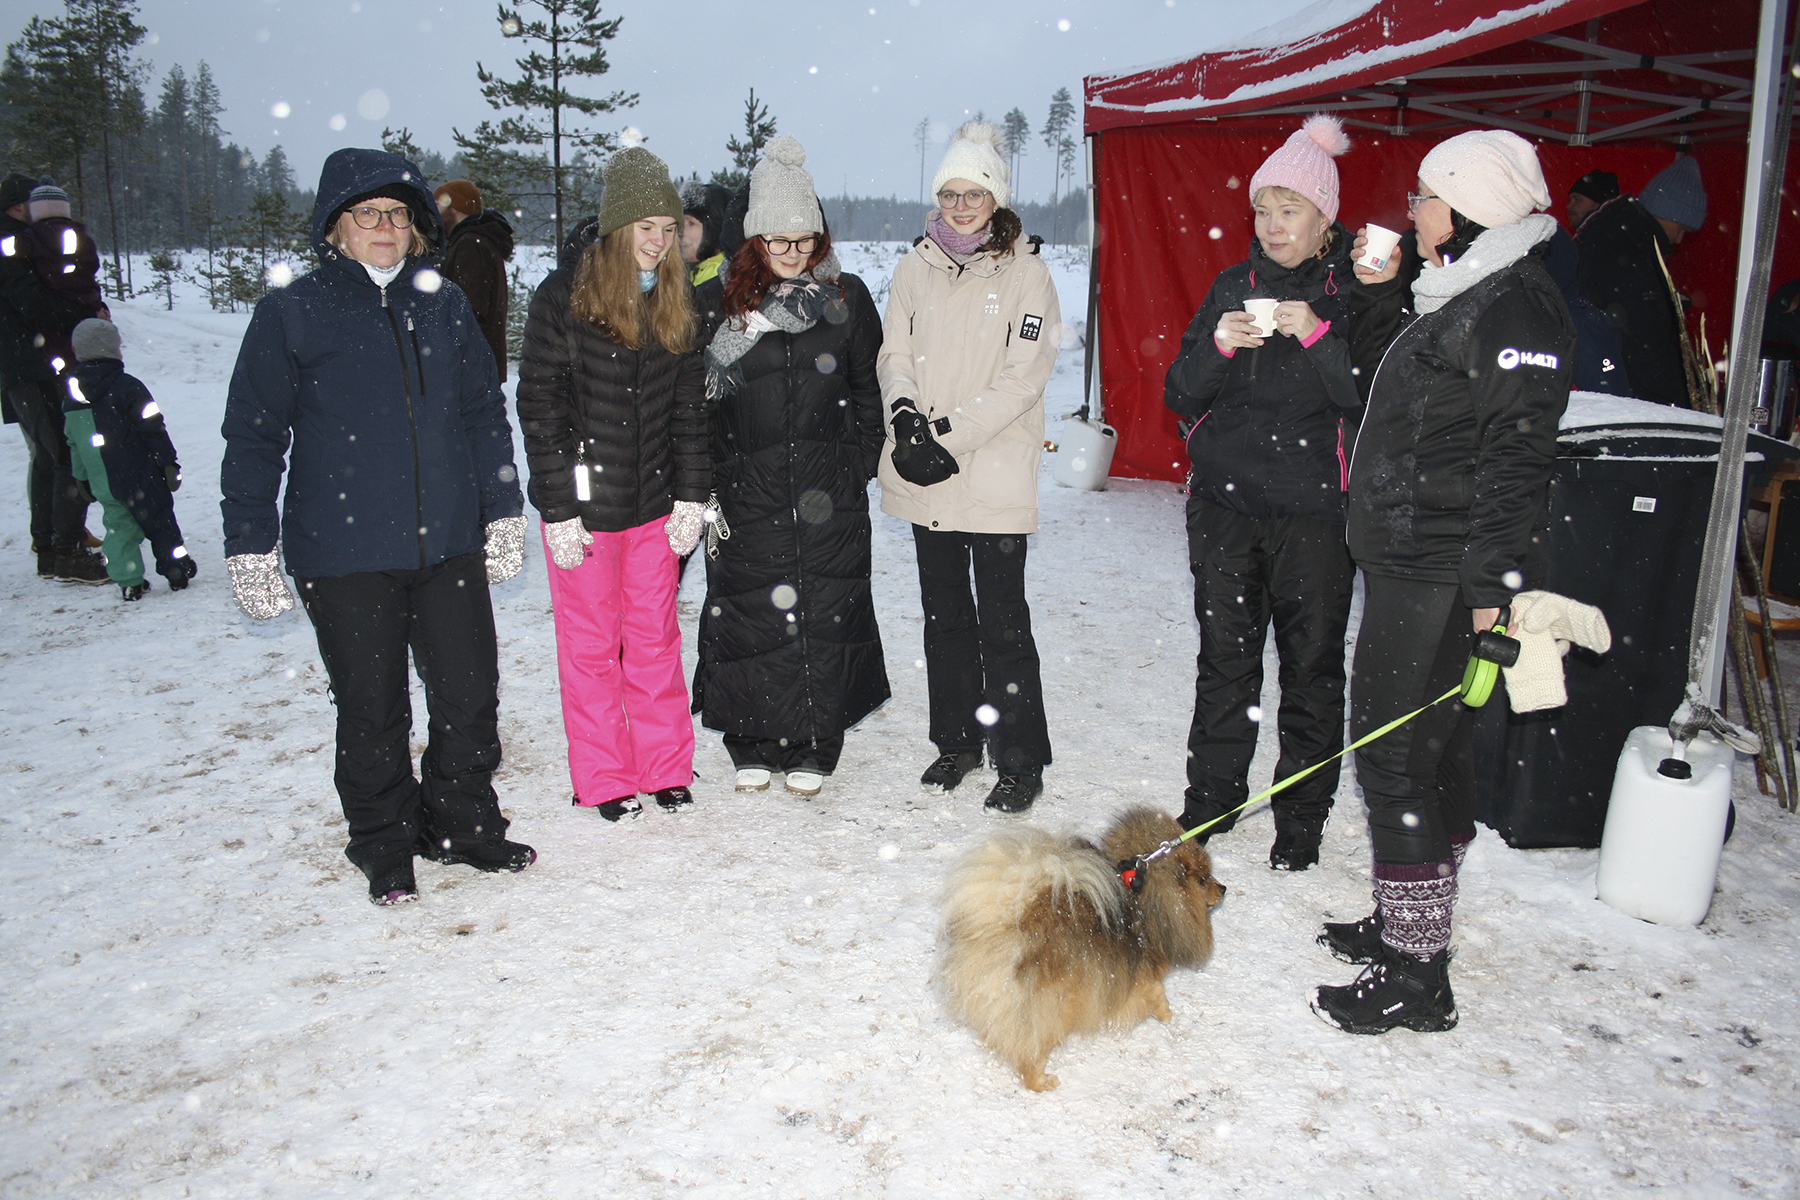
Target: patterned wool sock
(1416, 902)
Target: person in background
(480, 244)
(969, 340)
(33, 397)
(790, 653)
(612, 403)
(1588, 194)
(1448, 519)
(373, 390)
(123, 453)
(1624, 245)
(703, 208)
(1273, 416)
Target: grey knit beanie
(1676, 194)
(637, 186)
(94, 338)
(781, 192)
(49, 191)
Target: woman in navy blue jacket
(369, 383)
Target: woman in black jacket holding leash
(1448, 511)
(612, 404)
(1272, 416)
(790, 655)
(368, 382)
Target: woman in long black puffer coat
(790, 654)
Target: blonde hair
(606, 295)
(1289, 194)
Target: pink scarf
(960, 244)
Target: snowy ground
(735, 1001)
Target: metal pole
(1091, 400)
(1764, 165)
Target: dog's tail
(994, 914)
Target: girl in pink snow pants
(612, 405)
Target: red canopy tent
(1594, 83)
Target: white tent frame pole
(1764, 165)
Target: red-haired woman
(790, 655)
(612, 404)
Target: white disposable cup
(1378, 246)
(1264, 312)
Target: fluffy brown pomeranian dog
(1041, 939)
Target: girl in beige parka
(969, 341)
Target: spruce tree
(1062, 115)
(532, 150)
(1018, 133)
(759, 130)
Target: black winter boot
(1203, 810)
(484, 853)
(1296, 845)
(947, 770)
(392, 885)
(1395, 990)
(1354, 941)
(1016, 791)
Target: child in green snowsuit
(123, 453)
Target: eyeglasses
(1415, 199)
(972, 199)
(805, 245)
(368, 216)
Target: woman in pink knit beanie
(1265, 514)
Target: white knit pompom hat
(782, 199)
(1490, 176)
(975, 154)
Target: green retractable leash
(1493, 650)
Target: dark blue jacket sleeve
(484, 416)
(139, 408)
(258, 427)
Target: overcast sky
(850, 79)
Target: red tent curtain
(1171, 213)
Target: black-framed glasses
(367, 216)
(805, 245)
(1415, 199)
(974, 198)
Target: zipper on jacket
(412, 426)
(1373, 380)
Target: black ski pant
(366, 623)
(58, 513)
(980, 659)
(1418, 782)
(1249, 572)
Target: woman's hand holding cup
(1361, 250)
(1237, 331)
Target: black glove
(82, 490)
(918, 458)
(172, 476)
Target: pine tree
(537, 146)
(165, 269)
(1018, 133)
(173, 122)
(1062, 115)
(759, 130)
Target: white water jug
(1084, 455)
(1659, 854)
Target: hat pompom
(787, 151)
(983, 131)
(1327, 132)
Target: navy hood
(351, 173)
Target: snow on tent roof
(1335, 43)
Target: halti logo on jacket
(1031, 327)
(1510, 358)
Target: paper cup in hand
(1378, 247)
(1264, 312)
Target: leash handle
(1299, 775)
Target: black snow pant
(366, 623)
(1249, 571)
(820, 757)
(980, 659)
(58, 513)
(1418, 782)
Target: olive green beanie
(637, 186)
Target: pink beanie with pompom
(1303, 163)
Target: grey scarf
(1493, 250)
(792, 306)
